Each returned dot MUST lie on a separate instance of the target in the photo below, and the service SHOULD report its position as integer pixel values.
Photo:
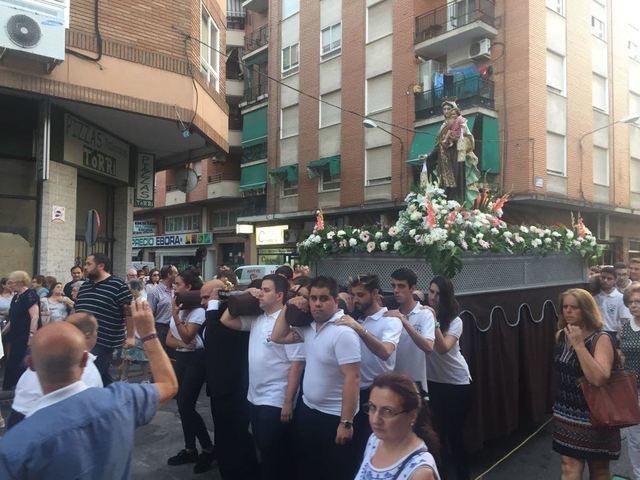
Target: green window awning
(288, 172)
(490, 147)
(254, 127)
(253, 177)
(316, 166)
(425, 140)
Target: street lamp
(368, 123)
(630, 119)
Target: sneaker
(205, 459)
(183, 457)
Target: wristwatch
(346, 424)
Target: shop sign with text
(95, 150)
(145, 176)
(145, 227)
(176, 240)
(270, 235)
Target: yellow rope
(479, 477)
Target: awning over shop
(490, 147)
(254, 127)
(315, 167)
(425, 139)
(253, 177)
(288, 172)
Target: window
(224, 218)
(556, 5)
(379, 20)
(634, 104)
(555, 72)
(379, 93)
(600, 166)
(635, 175)
(289, 188)
(598, 19)
(329, 182)
(182, 223)
(289, 7)
(330, 115)
(599, 93)
(556, 153)
(331, 39)
(289, 121)
(209, 48)
(378, 165)
(290, 58)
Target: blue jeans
(273, 439)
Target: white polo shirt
(450, 367)
(410, 359)
(197, 316)
(385, 329)
(612, 309)
(326, 348)
(29, 392)
(269, 362)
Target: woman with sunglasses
(154, 280)
(403, 444)
(448, 378)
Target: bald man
(76, 431)
(226, 353)
(28, 391)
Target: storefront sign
(144, 227)
(270, 235)
(94, 149)
(145, 176)
(179, 240)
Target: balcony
(454, 25)
(256, 5)
(470, 92)
(223, 186)
(256, 39)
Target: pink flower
(484, 244)
(343, 243)
(371, 246)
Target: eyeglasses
(384, 412)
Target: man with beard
(105, 297)
(323, 422)
(227, 370)
(379, 336)
(274, 378)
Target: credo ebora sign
(176, 240)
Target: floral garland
(442, 230)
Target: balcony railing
(256, 82)
(454, 15)
(470, 92)
(257, 39)
(222, 177)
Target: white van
(247, 273)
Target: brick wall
(273, 135)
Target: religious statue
(452, 158)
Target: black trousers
(104, 356)
(274, 441)
(361, 426)
(449, 406)
(190, 371)
(318, 455)
(234, 445)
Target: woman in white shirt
(55, 307)
(449, 379)
(184, 336)
(403, 444)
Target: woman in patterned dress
(630, 348)
(582, 350)
(401, 424)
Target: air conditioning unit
(291, 236)
(480, 49)
(34, 28)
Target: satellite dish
(186, 180)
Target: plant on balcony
(441, 231)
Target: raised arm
(161, 369)
(380, 349)
(423, 343)
(234, 323)
(282, 333)
(596, 367)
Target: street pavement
(162, 438)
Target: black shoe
(205, 459)
(183, 457)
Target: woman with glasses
(154, 280)
(630, 348)
(448, 378)
(403, 444)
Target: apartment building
(534, 79)
(94, 98)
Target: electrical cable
(96, 26)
